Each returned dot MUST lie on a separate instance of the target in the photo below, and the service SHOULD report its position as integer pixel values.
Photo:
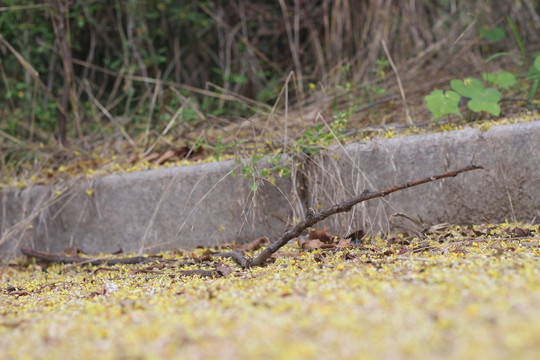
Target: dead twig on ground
(219, 271)
(313, 217)
(48, 257)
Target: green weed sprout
(441, 104)
(220, 147)
(486, 99)
(481, 99)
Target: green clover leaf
(468, 87)
(486, 101)
(504, 79)
(441, 104)
(495, 34)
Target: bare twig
(313, 217)
(45, 256)
(219, 271)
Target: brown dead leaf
(520, 232)
(224, 270)
(312, 245)
(343, 242)
(102, 268)
(18, 293)
(204, 257)
(186, 152)
(253, 245)
(403, 250)
(155, 266)
(133, 158)
(478, 233)
(73, 251)
(320, 235)
(320, 257)
(151, 157)
(166, 156)
(397, 241)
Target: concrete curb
(507, 189)
(149, 211)
(204, 205)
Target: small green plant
(441, 104)
(276, 166)
(533, 75)
(220, 148)
(311, 143)
(480, 98)
(382, 64)
(315, 138)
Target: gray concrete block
(148, 211)
(507, 189)
(202, 205)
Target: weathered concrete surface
(184, 207)
(204, 205)
(508, 187)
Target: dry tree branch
(313, 217)
(53, 258)
(219, 271)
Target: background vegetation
(130, 77)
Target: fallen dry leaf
(397, 241)
(312, 245)
(253, 245)
(343, 242)
(167, 155)
(320, 235)
(520, 232)
(224, 270)
(150, 157)
(73, 251)
(155, 266)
